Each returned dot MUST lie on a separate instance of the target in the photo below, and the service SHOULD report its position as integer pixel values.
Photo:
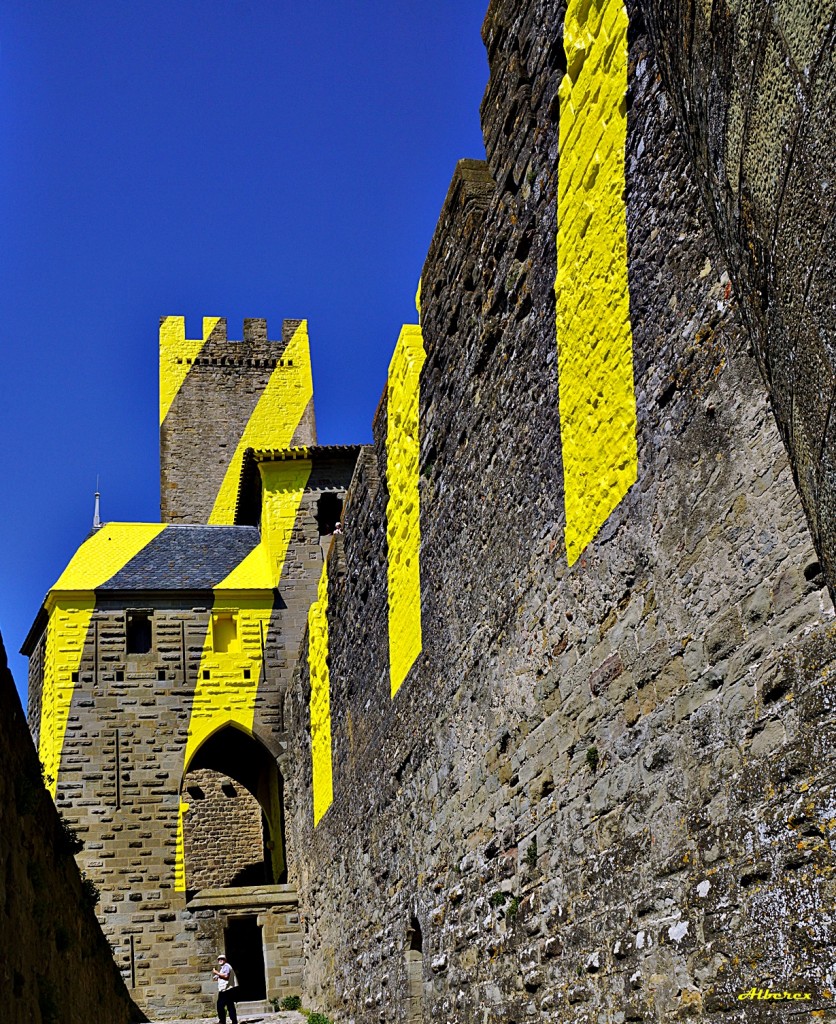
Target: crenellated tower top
(220, 396)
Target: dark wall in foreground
(604, 792)
(56, 966)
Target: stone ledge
(256, 896)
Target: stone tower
(160, 661)
(219, 397)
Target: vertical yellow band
(66, 633)
(403, 520)
(226, 688)
(323, 783)
(594, 338)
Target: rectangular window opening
(138, 633)
(225, 633)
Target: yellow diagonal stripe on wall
(104, 553)
(223, 695)
(274, 419)
(594, 338)
(403, 521)
(177, 352)
(226, 697)
(282, 487)
(70, 604)
(320, 679)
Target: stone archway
(233, 832)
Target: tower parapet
(220, 396)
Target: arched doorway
(233, 832)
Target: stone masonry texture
(223, 832)
(603, 793)
(121, 783)
(209, 412)
(56, 965)
(753, 85)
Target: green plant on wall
(90, 892)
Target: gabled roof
(141, 558)
(155, 556)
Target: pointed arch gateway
(233, 825)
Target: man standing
(226, 990)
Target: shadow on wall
(59, 966)
(232, 833)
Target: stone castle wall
(216, 403)
(602, 791)
(56, 964)
(754, 89)
(120, 786)
(222, 834)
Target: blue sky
(203, 158)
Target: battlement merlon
(219, 397)
(173, 329)
(178, 350)
(179, 353)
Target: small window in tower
(329, 510)
(224, 634)
(138, 632)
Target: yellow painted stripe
(320, 679)
(66, 633)
(403, 521)
(226, 697)
(180, 849)
(251, 573)
(70, 604)
(104, 553)
(594, 337)
(177, 352)
(274, 420)
(282, 487)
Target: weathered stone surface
(754, 86)
(121, 782)
(56, 964)
(604, 791)
(588, 791)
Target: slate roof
(185, 558)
